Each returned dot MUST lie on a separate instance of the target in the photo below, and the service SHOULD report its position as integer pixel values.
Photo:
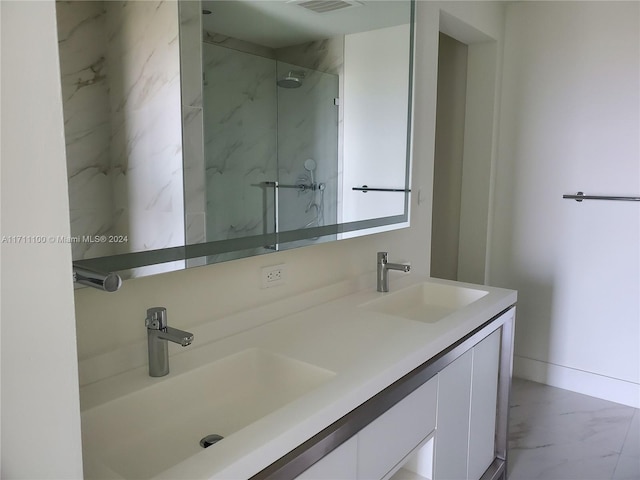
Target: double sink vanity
(343, 382)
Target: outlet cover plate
(273, 276)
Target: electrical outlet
(273, 276)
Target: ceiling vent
(326, 6)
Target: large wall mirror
(205, 131)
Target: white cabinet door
(484, 395)
(386, 441)
(341, 464)
(454, 394)
(466, 426)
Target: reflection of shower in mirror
(293, 79)
(310, 165)
(307, 183)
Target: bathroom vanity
(413, 383)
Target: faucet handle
(156, 318)
(383, 257)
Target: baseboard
(587, 383)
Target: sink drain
(210, 440)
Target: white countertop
(366, 350)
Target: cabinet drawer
(387, 440)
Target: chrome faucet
(158, 334)
(383, 270)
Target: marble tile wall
(192, 123)
(146, 144)
(307, 129)
(240, 118)
(85, 92)
(226, 41)
(255, 128)
(325, 55)
(121, 85)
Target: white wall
(570, 122)
(461, 254)
(40, 405)
(376, 89)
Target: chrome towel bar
(578, 197)
(365, 189)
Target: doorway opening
(463, 153)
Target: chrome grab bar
(578, 197)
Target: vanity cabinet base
(465, 389)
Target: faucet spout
(158, 336)
(401, 267)
(176, 336)
(383, 270)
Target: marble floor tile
(628, 468)
(556, 434)
(562, 462)
(632, 442)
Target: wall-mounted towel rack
(365, 189)
(578, 197)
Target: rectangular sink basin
(426, 302)
(144, 433)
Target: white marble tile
(191, 52)
(90, 188)
(605, 427)
(81, 34)
(628, 468)
(253, 124)
(82, 49)
(86, 102)
(562, 462)
(192, 122)
(148, 160)
(193, 162)
(90, 150)
(556, 434)
(632, 441)
(148, 230)
(196, 228)
(226, 41)
(91, 222)
(240, 141)
(308, 129)
(325, 55)
(121, 88)
(143, 54)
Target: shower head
(310, 164)
(291, 80)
